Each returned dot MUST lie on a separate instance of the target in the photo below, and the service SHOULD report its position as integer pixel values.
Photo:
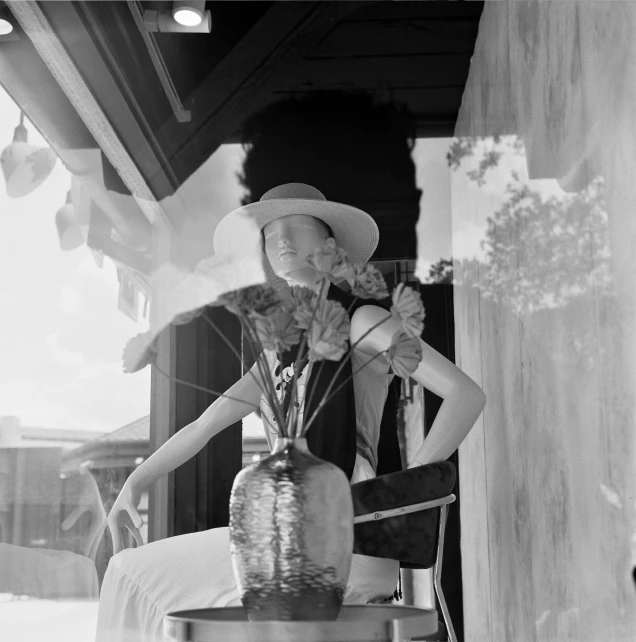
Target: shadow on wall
(352, 149)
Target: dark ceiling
(414, 53)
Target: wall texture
(545, 307)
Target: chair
(402, 516)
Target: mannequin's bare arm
(463, 399)
(179, 448)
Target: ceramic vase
(291, 535)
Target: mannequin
(463, 399)
(286, 239)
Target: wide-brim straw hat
(239, 232)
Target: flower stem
(341, 366)
(202, 388)
(264, 371)
(228, 343)
(258, 349)
(328, 396)
(322, 363)
(236, 354)
(301, 362)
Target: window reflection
(531, 248)
(539, 246)
(539, 322)
(66, 438)
(542, 270)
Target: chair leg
(437, 575)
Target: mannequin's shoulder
(368, 315)
(372, 327)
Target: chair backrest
(411, 537)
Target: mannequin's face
(288, 240)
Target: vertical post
(439, 333)
(162, 399)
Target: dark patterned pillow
(410, 538)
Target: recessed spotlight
(188, 13)
(5, 27)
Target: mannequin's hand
(82, 492)
(124, 514)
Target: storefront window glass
(505, 194)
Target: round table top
(359, 623)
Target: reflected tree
(541, 252)
(491, 151)
(542, 247)
(545, 254)
(441, 272)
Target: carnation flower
(299, 294)
(254, 299)
(330, 261)
(139, 352)
(326, 350)
(367, 282)
(301, 303)
(404, 354)
(408, 309)
(277, 330)
(328, 336)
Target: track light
(6, 21)
(188, 13)
(165, 22)
(8, 26)
(5, 27)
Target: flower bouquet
(306, 320)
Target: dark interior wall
(202, 485)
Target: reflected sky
(61, 333)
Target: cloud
(101, 399)
(61, 354)
(96, 329)
(69, 299)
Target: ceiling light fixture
(71, 231)
(189, 13)
(163, 21)
(25, 166)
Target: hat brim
(353, 229)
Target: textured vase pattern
(291, 535)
